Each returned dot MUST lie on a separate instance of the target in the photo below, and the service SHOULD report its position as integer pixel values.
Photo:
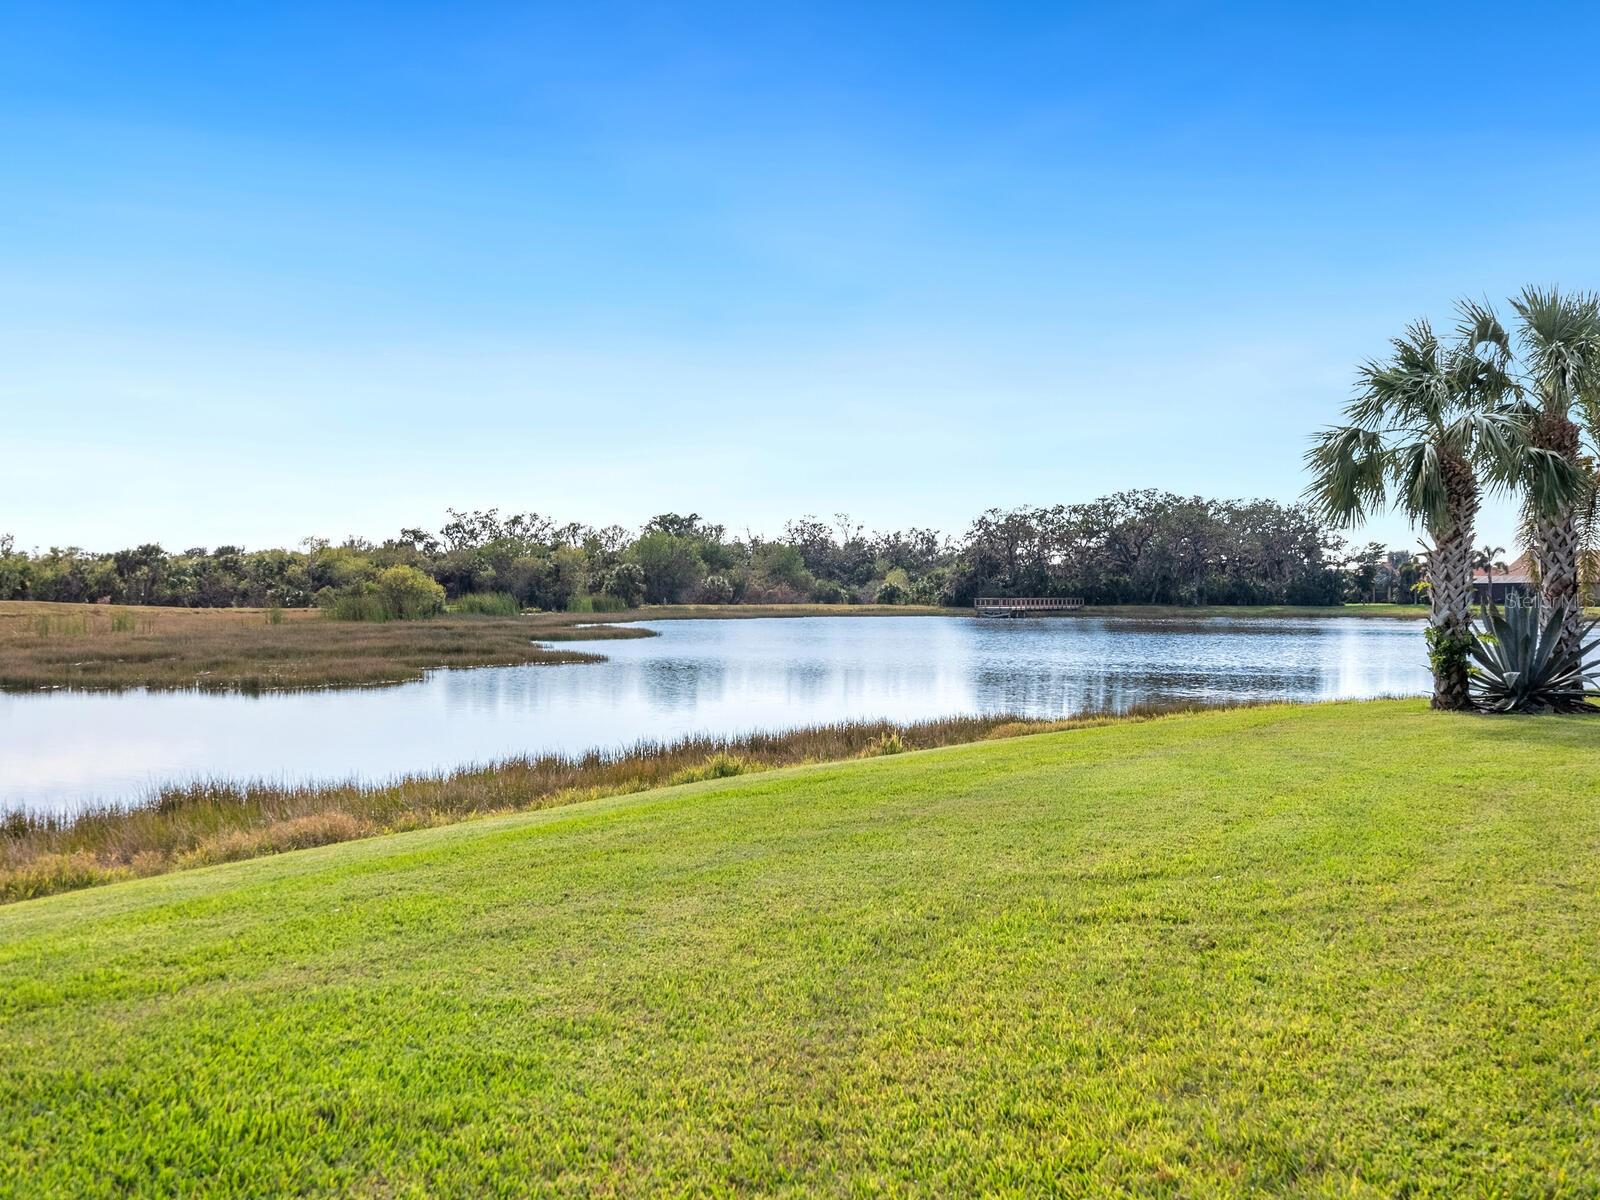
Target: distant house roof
(1517, 572)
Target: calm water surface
(59, 750)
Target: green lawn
(1331, 951)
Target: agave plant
(1523, 662)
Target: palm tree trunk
(1450, 591)
(1555, 547)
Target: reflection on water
(61, 749)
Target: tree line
(1134, 547)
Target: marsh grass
(890, 741)
(46, 645)
(596, 604)
(220, 821)
(486, 604)
(249, 650)
(66, 626)
(361, 607)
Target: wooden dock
(1024, 606)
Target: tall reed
(486, 604)
(219, 821)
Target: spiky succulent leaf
(1521, 664)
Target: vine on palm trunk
(1449, 652)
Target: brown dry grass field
(243, 649)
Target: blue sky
(269, 271)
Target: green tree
(1424, 423)
(1364, 566)
(1560, 353)
(625, 581)
(15, 570)
(141, 570)
(672, 566)
(1486, 558)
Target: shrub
(889, 742)
(777, 564)
(716, 589)
(15, 570)
(890, 593)
(398, 594)
(408, 594)
(825, 591)
(721, 765)
(932, 588)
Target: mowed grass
(1321, 951)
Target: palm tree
(1560, 353)
(1410, 569)
(1424, 423)
(1486, 559)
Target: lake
(59, 750)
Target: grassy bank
(45, 645)
(237, 649)
(1324, 951)
(198, 824)
(677, 612)
(1163, 611)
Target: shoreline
(181, 826)
(697, 612)
(47, 646)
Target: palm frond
(1561, 344)
(1418, 472)
(1479, 331)
(1348, 467)
(1551, 483)
(1496, 440)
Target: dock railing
(1016, 606)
